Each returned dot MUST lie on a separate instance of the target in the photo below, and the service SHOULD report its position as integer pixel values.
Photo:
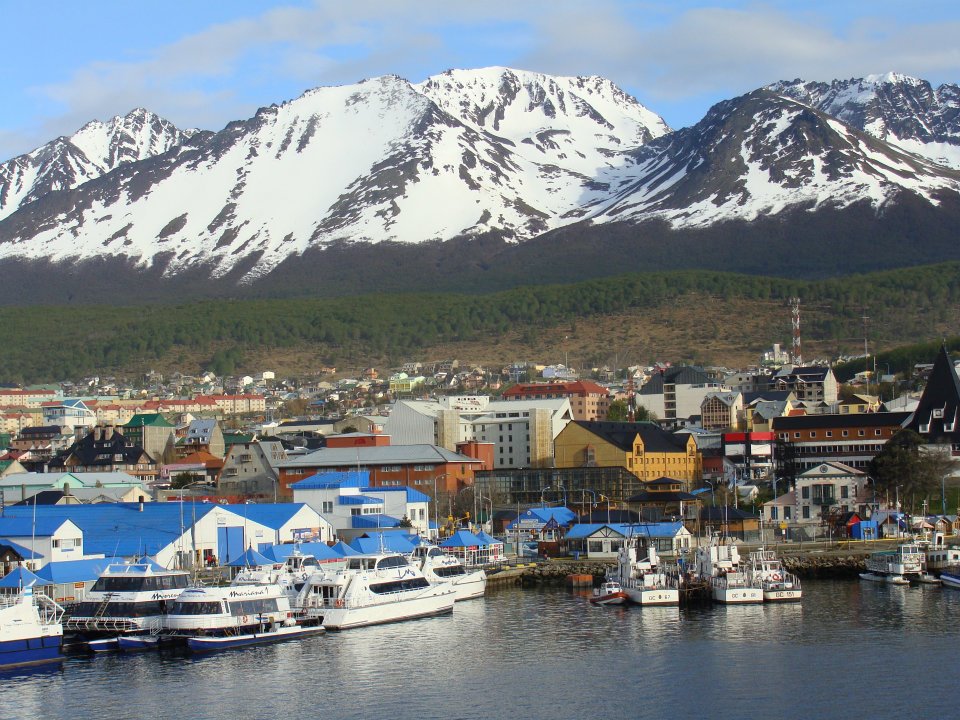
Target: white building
(676, 393)
(352, 507)
(69, 415)
(521, 431)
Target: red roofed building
(588, 400)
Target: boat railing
(51, 612)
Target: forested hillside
(52, 343)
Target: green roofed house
(154, 433)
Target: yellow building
(644, 449)
(859, 403)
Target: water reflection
(530, 653)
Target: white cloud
(668, 55)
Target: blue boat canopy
(250, 558)
(344, 550)
(462, 538)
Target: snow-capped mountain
(95, 149)
(352, 176)
(381, 160)
(902, 110)
(761, 153)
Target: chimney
(97, 433)
(108, 432)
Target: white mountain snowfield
(462, 153)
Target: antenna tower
(796, 356)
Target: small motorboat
(133, 643)
(950, 579)
(888, 579)
(610, 593)
(268, 634)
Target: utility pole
(866, 351)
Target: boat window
(118, 609)
(196, 608)
(395, 586)
(253, 607)
(450, 571)
(124, 584)
(392, 561)
(354, 564)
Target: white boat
(730, 583)
(228, 611)
(610, 593)
(290, 630)
(290, 574)
(644, 580)
(438, 567)
(777, 584)
(896, 567)
(373, 589)
(31, 629)
(950, 578)
(127, 599)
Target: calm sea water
(850, 649)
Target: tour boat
(290, 574)
(729, 583)
(228, 611)
(373, 589)
(438, 567)
(644, 580)
(777, 584)
(610, 593)
(127, 599)
(31, 629)
(895, 567)
(287, 630)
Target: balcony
(824, 500)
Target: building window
(805, 492)
(326, 506)
(786, 513)
(806, 512)
(773, 512)
(829, 433)
(876, 432)
(844, 491)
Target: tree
(905, 470)
(183, 479)
(405, 522)
(617, 412)
(642, 414)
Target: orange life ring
(339, 602)
(244, 620)
(776, 577)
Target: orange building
(588, 400)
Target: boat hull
(737, 596)
(617, 598)
(950, 580)
(886, 579)
(472, 585)
(31, 651)
(649, 597)
(424, 605)
(782, 595)
(229, 642)
(133, 643)
(107, 644)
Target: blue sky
(201, 64)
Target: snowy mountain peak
(896, 108)
(95, 149)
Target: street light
(436, 512)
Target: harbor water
(850, 648)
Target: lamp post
(604, 497)
(592, 493)
(542, 503)
(436, 511)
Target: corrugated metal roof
(383, 455)
(71, 571)
(369, 522)
(358, 500)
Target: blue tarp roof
(71, 571)
(273, 515)
(394, 542)
(328, 480)
(250, 558)
(543, 515)
(123, 529)
(413, 495)
(344, 550)
(488, 539)
(372, 522)
(462, 538)
(319, 550)
(19, 577)
(26, 527)
(654, 530)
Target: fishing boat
(730, 583)
(644, 580)
(438, 567)
(234, 611)
(373, 589)
(777, 584)
(610, 593)
(31, 629)
(127, 599)
(895, 567)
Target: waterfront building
(644, 449)
(597, 541)
(353, 506)
(585, 487)
(806, 441)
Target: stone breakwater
(825, 566)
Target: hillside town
(525, 453)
